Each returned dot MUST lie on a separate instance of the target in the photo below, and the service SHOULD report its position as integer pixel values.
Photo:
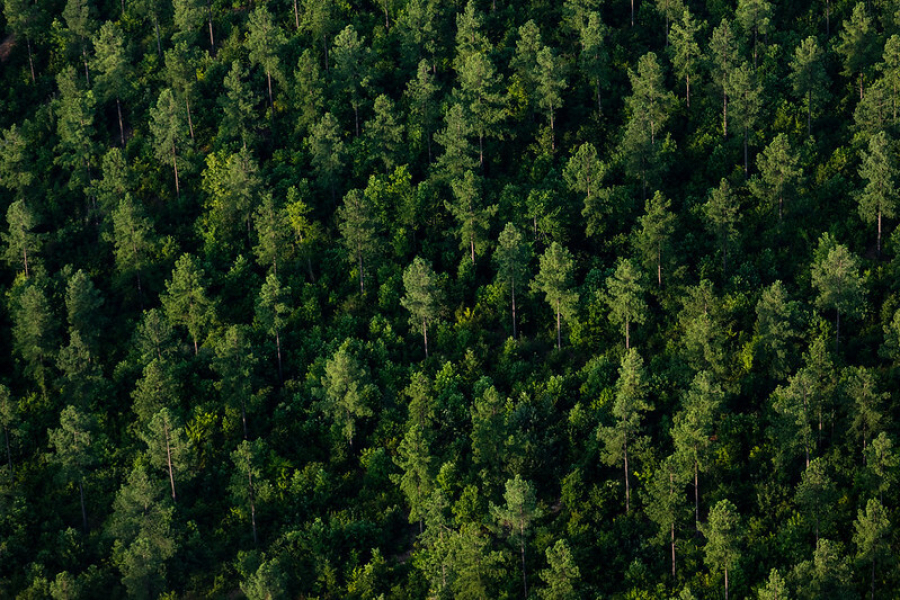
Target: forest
(431, 299)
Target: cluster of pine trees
(401, 299)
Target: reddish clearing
(6, 47)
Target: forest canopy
(408, 299)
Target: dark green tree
(561, 575)
(168, 131)
(74, 452)
(808, 76)
(359, 233)
(168, 447)
(327, 151)
(724, 57)
(511, 257)
(238, 105)
(744, 92)
(234, 363)
(264, 40)
(816, 494)
(722, 212)
(779, 174)
(23, 244)
(872, 529)
(694, 427)
(858, 45)
(755, 16)
(351, 59)
(112, 68)
(686, 54)
(248, 488)
(384, 133)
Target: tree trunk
(524, 577)
(472, 247)
(632, 13)
(272, 102)
(672, 531)
(278, 352)
(687, 81)
(627, 335)
(362, 287)
(30, 59)
(244, 417)
(25, 258)
(252, 506)
(558, 336)
(724, 114)
(659, 263)
(696, 490)
(8, 451)
(121, 126)
(425, 335)
(175, 167)
(84, 522)
(746, 168)
(296, 16)
(87, 74)
(837, 336)
(158, 43)
(873, 578)
(512, 286)
(627, 483)
(212, 41)
(169, 462)
(726, 584)
(878, 243)
(809, 113)
(187, 103)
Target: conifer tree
(422, 298)
(630, 404)
(808, 76)
(625, 291)
(168, 132)
(722, 538)
(511, 257)
(346, 392)
(879, 196)
(358, 232)
(555, 281)
(654, 239)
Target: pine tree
(112, 67)
(693, 430)
(517, 515)
(272, 232)
(22, 243)
(835, 275)
(328, 152)
(630, 404)
(346, 392)
(264, 41)
(272, 311)
(744, 92)
(358, 232)
(472, 217)
(74, 453)
(723, 47)
(423, 106)
(625, 290)
(755, 16)
(654, 238)
(872, 528)
(512, 256)
(551, 83)
(808, 76)
(384, 133)
(168, 446)
(351, 69)
(555, 281)
(416, 482)
(722, 538)
(422, 298)
(561, 574)
(779, 174)
(722, 213)
(185, 301)
(858, 45)
(168, 133)
(248, 488)
(686, 55)
(238, 105)
(234, 363)
(879, 197)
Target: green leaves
(555, 280)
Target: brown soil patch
(6, 47)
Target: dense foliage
(432, 299)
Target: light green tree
(879, 196)
(779, 174)
(858, 45)
(422, 297)
(755, 16)
(112, 67)
(722, 212)
(168, 131)
(264, 40)
(248, 488)
(625, 290)
(686, 54)
(168, 446)
(22, 242)
(520, 511)
(654, 238)
(185, 301)
(561, 574)
(346, 391)
(836, 278)
(722, 538)
(74, 452)
(630, 404)
(555, 279)
(272, 311)
(472, 217)
(359, 233)
(872, 528)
